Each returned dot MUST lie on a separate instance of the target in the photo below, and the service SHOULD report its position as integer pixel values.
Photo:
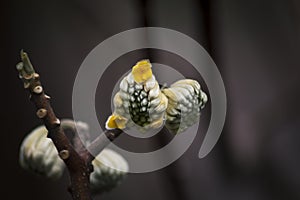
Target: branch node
(64, 154)
(41, 113)
(38, 89)
(47, 97)
(26, 85)
(36, 75)
(28, 76)
(56, 122)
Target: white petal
(124, 85)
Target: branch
(100, 143)
(78, 162)
(80, 135)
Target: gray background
(254, 43)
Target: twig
(100, 143)
(80, 135)
(78, 163)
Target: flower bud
(110, 169)
(139, 101)
(185, 100)
(39, 155)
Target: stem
(101, 142)
(78, 162)
(80, 133)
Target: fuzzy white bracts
(142, 103)
(139, 101)
(39, 155)
(110, 168)
(186, 99)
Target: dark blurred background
(255, 45)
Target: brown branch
(100, 143)
(79, 133)
(78, 163)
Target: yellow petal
(116, 121)
(142, 71)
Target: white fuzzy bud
(110, 169)
(186, 99)
(39, 155)
(141, 103)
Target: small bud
(110, 169)
(36, 75)
(47, 97)
(57, 121)
(28, 76)
(26, 85)
(39, 155)
(64, 154)
(41, 113)
(38, 89)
